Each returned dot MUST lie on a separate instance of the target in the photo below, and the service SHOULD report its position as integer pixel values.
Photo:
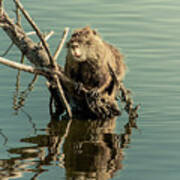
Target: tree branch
(61, 43)
(68, 83)
(18, 66)
(34, 26)
(52, 61)
(38, 55)
(46, 65)
(34, 52)
(49, 35)
(1, 8)
(18, 16)
(56, 68)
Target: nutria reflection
(86, 148)
(92, 150)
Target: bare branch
(46, 36)
(52, 62)
(16, 105)
(56, 79)
(63, 98)
(34, 53)
(21, 67)
(49, 35)
(61, 43)
(68, 83)
(61, 92)
(16, 90)
(1, 7)
(18, 16)
(32, 23)
(22, 59)
(30, 33)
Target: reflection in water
(4, 137)
(92, 150)
(86, 148)
(20, 97)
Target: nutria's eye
(76, 34)
(74, 46)
(88, 42)
(79, 41)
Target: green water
(33, 146)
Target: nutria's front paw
(93, 93)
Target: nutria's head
(83, 43)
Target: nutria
(90, 61)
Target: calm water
(34, 146)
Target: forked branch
(46, 65)
(38, 32)
(61, 43)
(47, 73)
(38, 54)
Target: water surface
(34, 146)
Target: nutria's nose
(77, 54)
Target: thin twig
(46, 37)
(66, 133)
(63, 98)
(24, 94)
(61, 43)
(16, 91)
(62, 95)
(4, 137)
(48, 84)
(22, 59)
(31, 121)
(1, 7)
(8, 49)
(38, 32)
(22, 67)
(18, 16)
(18, 104)
(49, 35)
(17, 85)
(30, 33)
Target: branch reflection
(86, 148)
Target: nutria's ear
(87, 28)
(94, 32)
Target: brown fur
(88, 59)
